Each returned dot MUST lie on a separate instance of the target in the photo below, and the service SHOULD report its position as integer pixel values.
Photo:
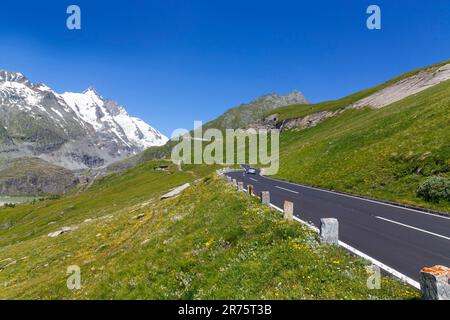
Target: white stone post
(329, 230)
(265, 197)
(240, 186)
(288, 210)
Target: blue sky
(172, 62)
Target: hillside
(34, 176)
(248, 113)
(210, 242)
(397, 88)
(383, 153)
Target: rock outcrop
(176, 191)
(250, 113)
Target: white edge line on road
(296, 192)
(379, 264)
(411, 227)
(359, 198)
(253, 179)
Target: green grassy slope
(112, 193)
(298, 111)
(382, 153)
(210, 242)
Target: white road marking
(411, 227)
(381, 265)
(376, 262)
(363, 199)
(286, 189)
(253, 179)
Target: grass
(208, 243)
(299, 111)
(384, 153)
(112, 193)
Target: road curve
(401, 238)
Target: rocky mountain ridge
(247, 113)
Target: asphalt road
(404, 239)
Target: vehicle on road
(251, 171)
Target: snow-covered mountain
(106, 116)
(74, 130)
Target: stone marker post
(265, 197)
(288, 210)
(329, 230)
(435, 283)
(250, 189)
(240, 186)
(229, 179)
(234, 182)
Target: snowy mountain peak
(42, 87)
(12, 76)
(77, 129)
(91, 91)
(108, 115)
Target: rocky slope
(404, 88)
(245, 114)
(34, 176)
(71, 130)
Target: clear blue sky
(172, 62)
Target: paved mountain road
(404, 239)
